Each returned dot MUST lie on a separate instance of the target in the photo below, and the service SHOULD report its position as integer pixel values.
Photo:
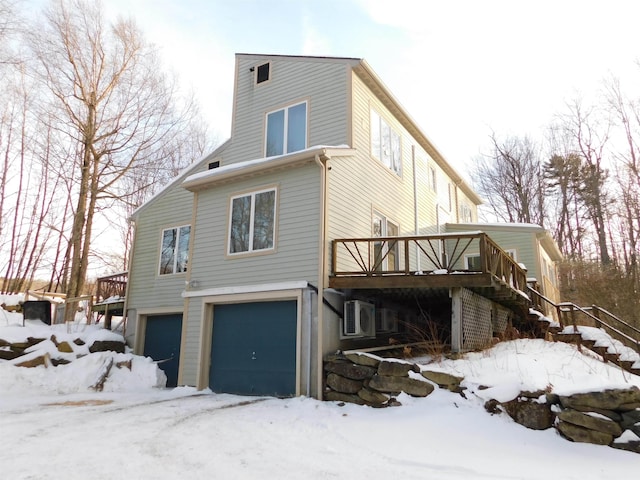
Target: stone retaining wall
(610, 417)
(369, 380)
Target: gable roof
(377, 86)
(178, 179)
(371, 79)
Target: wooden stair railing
(567, 315)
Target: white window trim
(176, 249)
(252, 194)
(286, 125)
(385, 222)
(465, 211)
(377, 155)
(467, 257)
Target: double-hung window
(286, 130)
(252, 222)
(466, 215)
(385, 143)
(174, 252)
(385, 252)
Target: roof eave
(177, 179)
(367, 74)
(259, 167)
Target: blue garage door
(162, 343)
(253, 349)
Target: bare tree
(589, 130)
(108, 101)
(626, 112)
(510, 178)
(28, 194)
(9, 24)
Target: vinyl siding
(192, 341)
(148, 289)
(295, 257)
(323, 84)
(523, 241)
(361, 184)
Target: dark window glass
(263, 73)
(275, 133)
(240, 224)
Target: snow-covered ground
(54, 426)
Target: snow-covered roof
(207, 178)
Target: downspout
(321, 274)
(125, 306)
(415, 205)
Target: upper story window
(466, 215)
(432, 178)
(263, 72)
(174, 252)
(252, 225)
(385, 143)
(445, 195)
(286, 130)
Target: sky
(462, 69)
(55, 426)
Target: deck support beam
(456, 319)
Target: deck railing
(111, 286)
(414, 255)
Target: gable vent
(263, 73)
(213, 165)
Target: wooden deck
(110, 296)
(428, 266)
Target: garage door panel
(254, 348)
(163, 335)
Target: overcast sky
(461, 68)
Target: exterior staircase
(561, 322)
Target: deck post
(456, 319)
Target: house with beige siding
(530, 245)
(328, 221)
